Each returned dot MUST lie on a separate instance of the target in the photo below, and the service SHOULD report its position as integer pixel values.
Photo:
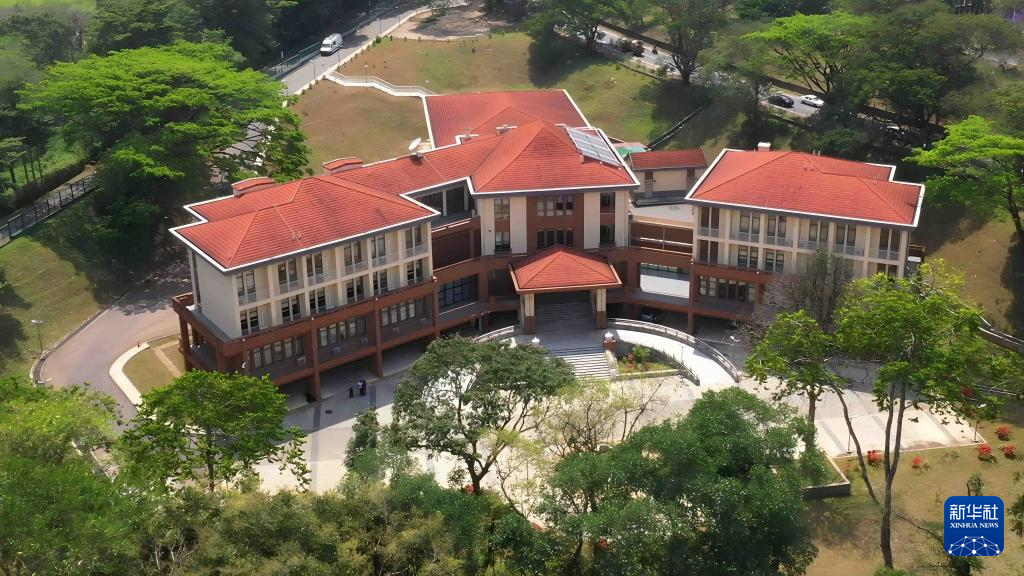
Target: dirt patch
(459, 22)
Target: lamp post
(366, 75)
(380, 27)
(535, 341)
(39, 334)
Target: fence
(278, 71)
(658, 329)
(41, 210)
(378, 83)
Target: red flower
(1010, 451)
(602, 543)
(1004, 433)
(468, 488)
(874, 457)
(984, 452)
(918, 462)
(967, 392)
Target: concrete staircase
(564, 318)
(563, 329)
(585, 362)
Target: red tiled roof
(450, 115)
(535, 156)
(561, 268)
(291, 217)
(801, 182)
(668, 159)
(343, 162)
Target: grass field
(84, 4)
(846, 529)
(148, 372)
(362, 122)
(50, 274)
(626, 104)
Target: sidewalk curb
(121, 380)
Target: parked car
(780, 99)
(650, 315)
(636, 47)
(330, 45)
(812, 100)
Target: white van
(330, 45)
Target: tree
(49, 33)
(212, 428)
(817, 49)
(472, 399)
(691, 27)
(250, 24)
(128, 24)
(925, 338)
(817, 288)
(371, 452)
(758, 9)
(576, 18)
(980, 168)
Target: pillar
(436, 310)
(378, 341)
(527, 311)
(601, 308)
(691, 322)
(183, 342)
(313, 388)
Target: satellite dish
(414, 144)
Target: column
(600, 308)
(526, 309)
(313, 389)
(436, 310)
(183, 342)
(378, 356)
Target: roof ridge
(248, 227)
(538, 124)
(745, 172)
(867, 184)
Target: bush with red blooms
(917, 463)
(1010, 451)
(1004, 433)
(985, 452)
(967, 392)
(874, 457)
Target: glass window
(457, 292)
(818, 231)
(413, 238)
(777, 226)
(318, 301)
(502, 209)
(354, 290)
(287, 272)
(250, 320)
(380, 281)
(315, 264)
(378, 246)
(290, 309)
(353, 253)
(607, 234)
(607, 202)
(502, 242)
(414, 272)
(246, 282)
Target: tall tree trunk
(856, 443)
(891, 467)
(812, 405)
(1014, 209)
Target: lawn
(50, 274)
(89, 5)
(846, 529)
(363, 122)
(147, 370)
(626, 104)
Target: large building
(517, 204)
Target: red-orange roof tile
(805, 183)
(693, 158)
(293, 217)
(452, 115)
(562, 268)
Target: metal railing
(887, 254)
(499, 334)
(250, 297)
(745, 236)
(49, 205)
(320, 278)
(811, 244)
(285, 287)
(355, 267)
(658, 329)
(381, 84)
(286, 66)
(381, 260)
(416, 250)
(778, 240)
(849, 250)
(705, 231)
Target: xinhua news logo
(974, 525)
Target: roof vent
(503, 128)
(342, 164)
(251, 185)
(764, 146)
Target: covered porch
(560, 270)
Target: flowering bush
(967, 392)
(917, 463)
(1004, 433)
(985, 452)
(874, 457)
(1010, 451)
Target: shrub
(1010, 451)
(985, 452)
(1004, 433)
(917, 463)
(874, 457)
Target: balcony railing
(415, 250)
(887, 254)
(705, 231)
(811, 245)
(745, 236)
(849, 250)
(250, 297)
(381, 260)
(778, 240)
(320, 278)
(355, 267)
(285, 287)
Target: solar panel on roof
(593, 146)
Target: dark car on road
(634, 46)
(781, 100)
(650, 314)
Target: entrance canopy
(563, 269)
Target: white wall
(622, 218)
(220, 297)
(517, 217)
(485, 208)
(592, 220)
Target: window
(887, 269)
(246, 283)
(559, 205)
(502, 242)
(314, 264)
(750, 223)
(846, 235)
(379, 249)
(563, 236)
(502, 209)
(818, 231)
(648, 175)
(777, 226)
(889, 241)
(334, 333)
(707, 251)
(380, 282)
(774, 261)
(746, 257)
(288, 275)
(414, 272)
(290, 309)
(318, 301)
(607, 234)
(402, 311)
(354, 290)
(250, 321)
(413, 238)
(709, 217)
(727, 289)
(607, 202)
(456, 292)
(353, 254)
